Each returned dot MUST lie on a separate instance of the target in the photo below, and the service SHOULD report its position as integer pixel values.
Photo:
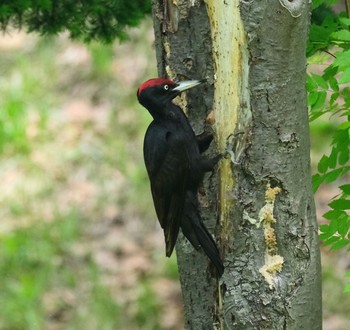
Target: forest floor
(79, 244)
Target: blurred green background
(80, 247)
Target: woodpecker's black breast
(168, 163)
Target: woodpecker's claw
(231, 145)
(229, 154)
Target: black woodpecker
(176, 166)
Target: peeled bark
(259, 204)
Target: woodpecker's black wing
(167, 165)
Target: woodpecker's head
(155, 93)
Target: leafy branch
(103, 20)
(329, 94)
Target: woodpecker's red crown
(155, 82)
(156, 93)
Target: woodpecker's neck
(168, 112)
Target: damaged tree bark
(259, 204)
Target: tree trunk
(259, 204)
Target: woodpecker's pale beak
(184, 85)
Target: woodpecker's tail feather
(198, 235)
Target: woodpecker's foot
(209, 163)
(231, 147)
(204, 140)
(229, 154)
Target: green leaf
(340, 244)
(334, 174)
(342, 61)
(345, 125)
(329, 230)
(346, 92)
(330, 71)
(316, 3)
(343, 35)
(321, 98)
(323, 229)
(333, 158)
(319, 81)
(343, 225)
(312, 98)
(324, 236)
(344, 157)
(345, 78)
(310, 83)
(333, 214)
(341, 138)
(317, 180)
(318, 38)
(340, 204)
(347, 287)
(330, 2)
(316, 114)
(334, 226)
(333, 98)
(345, 188)
(333, 83)
(323, 164)
(344, 20)
(343, 229)
(332, 240)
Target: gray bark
(263, 215)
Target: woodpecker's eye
(166, 87)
